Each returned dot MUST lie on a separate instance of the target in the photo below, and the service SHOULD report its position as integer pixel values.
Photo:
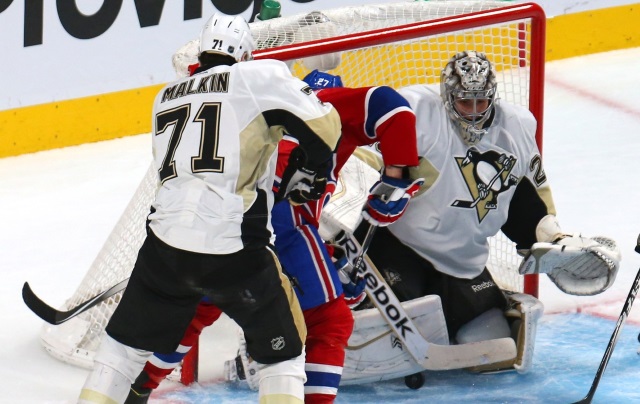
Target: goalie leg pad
(491, 324)
(374, 352)
(524, 313)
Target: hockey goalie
(483, 173)
(577, 265)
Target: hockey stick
(359, 261)
(428, 355)
(614, 337)
(55, 317)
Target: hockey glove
(388, 199)
(577, 265)
(310, 187)
(300, 183)
(353, 284)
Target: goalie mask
(318, 80)
(227, 35)
(468, 90)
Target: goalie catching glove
(577, 265)
(388, 199)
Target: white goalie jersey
(467, 183)
(212, 135)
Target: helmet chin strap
(470, 134)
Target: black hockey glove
(309, 188)
(300, 183)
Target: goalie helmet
(227, 35)
(318, 80)
(468, 90)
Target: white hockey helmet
(227, 35)
(469, 78)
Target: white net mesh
(395, 63)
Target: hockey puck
(414, 381)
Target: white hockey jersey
(468, 190)
(214, 145)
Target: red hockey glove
(388, 199)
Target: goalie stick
(55, 317)
(359, 261)
(428, 355)
(614, 337)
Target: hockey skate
(139, 394)
(242, 367)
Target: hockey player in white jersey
(483, 174)
(214, 141)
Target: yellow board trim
(588, 32)
(124, 113)
(77, 121)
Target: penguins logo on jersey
(486, 175)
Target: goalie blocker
(577, 265)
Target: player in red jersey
(368, 115)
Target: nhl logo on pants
(277, 344)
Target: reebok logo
(383, 297)
(483, 285)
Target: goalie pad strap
(523, 314)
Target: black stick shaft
(55, 317)
(359, 262)
(614, 337)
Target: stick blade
(448, 357)
(40, 308)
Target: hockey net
(394, 44)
